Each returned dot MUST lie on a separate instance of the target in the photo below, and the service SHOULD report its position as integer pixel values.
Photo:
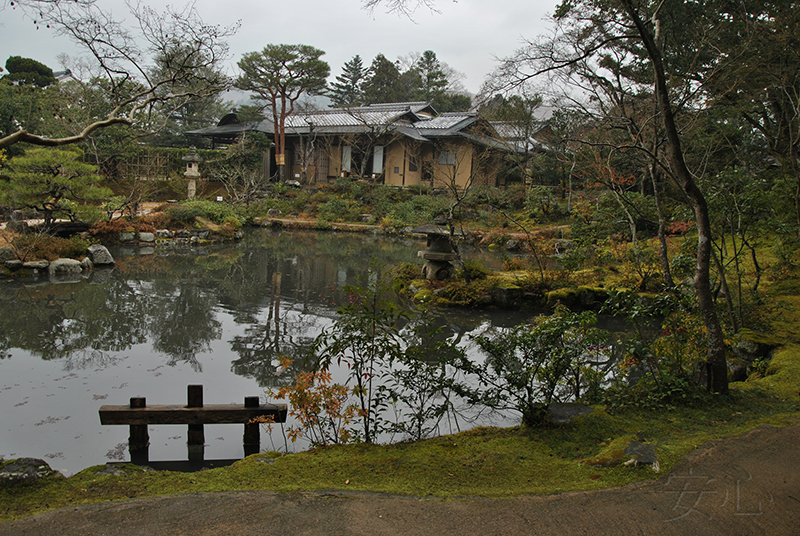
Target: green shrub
(185, 213)
(340, 210)
(471, 294)
(528, 367)
(542, 203)
(661, 368)
(666, 393)
(404, 274)
(418, 210)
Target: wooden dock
(138, 415)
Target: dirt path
(746, 485)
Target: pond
(166, 318)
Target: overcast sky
(467, 34)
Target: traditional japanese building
(399, 144)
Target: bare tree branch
(166, 58)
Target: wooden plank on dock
(180, 414)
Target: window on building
(377, 160)
(347, 157)
(447, 158)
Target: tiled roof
(513, 133)
(415, 120)
(230, 130)
(445, 124)
(349, 118)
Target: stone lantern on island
(192, 171)
(438, 253)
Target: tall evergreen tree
(383, 82)
(280, 75)
(348, 88)
(433, 81)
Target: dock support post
(252, 433)
(196, 440)
(139, 440)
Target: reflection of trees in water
(184, 322)
(180, 289)
(83, 322)
(170, 299)
(263, 347)
(5, 346)
(94, 359)
(278, 268)
(53, 321)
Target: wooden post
(139, 440)
(196, 441)
(252, 433)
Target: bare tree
(362, 141)
(163, 60)
(241, 169)
(308, 145)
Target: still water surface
(163, 319)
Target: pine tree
(279, 75)
(348, 88)
(383, 82)
(433, 80)
(53, 182)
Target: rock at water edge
(100, 255)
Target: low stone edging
(163, 237)
(60, 270)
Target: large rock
(507, 295)
(66, 266)
(35, 266)
(24, 470)
(14, 265)
(100, 255)
(641, 454)
(7, 254)
(626, 450)
(566, 413)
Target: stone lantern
(438, 253)
(192, 171)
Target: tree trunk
(717, 364)
(723, 281)
(663, 251)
